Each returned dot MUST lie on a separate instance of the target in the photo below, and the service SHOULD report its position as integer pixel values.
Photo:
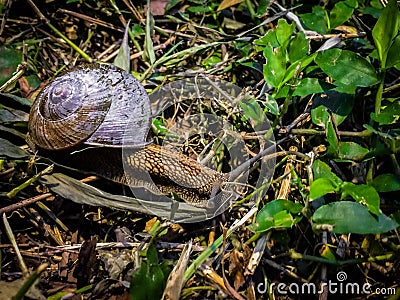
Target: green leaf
(123, 57)
(275, 67)
(351, 217)
(271, 104)
(148, 281)
(351, 150)
(252, 111)
(13, 98)
(362, 193)
(298, 47)
(277, 214)
(137, 30)
(316, 20)
(388, 114)
(385, 30)
(8, 149)
(393, 56)
(244, 48)
(322, 170)
(345, 88)
(268, 38)
(347, 67)
(321, 187)
(148, 42)
(386, 183)
(296, 67)
(284, 32)
(332, 138)
(341, 12)
(319, 116)
(307, 86)
(159, 127)
(262, 7)
(339, 104)
(199, 9)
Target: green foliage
(322, 21)
(317, 20)
(347, 67)
(386, 183)
(341, 12)
(351, 217)
(336, 87)
(284, 55)
(277, 214)
(388, 115)
(327, 182)
(386, 30)
(148, 279)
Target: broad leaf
(298, 47)
(275, 65)
(308, 86)
(341, 12)
(322, 170)
(268, 38)
(386, 183)
(339, 104)
(351, 217)
(148, 281)
(277, 214)
(332, 138)
(296, 67)
(362, 193)
(321, 187)
(385, 30)
(393, 56)
(388, 114)
(352, 150)
(271, 104)
(284, 32)
(319, 116)
(316, 20)
(347, 67)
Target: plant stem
(251, 9)
(306, 131)
(378, 97)
(295, 255)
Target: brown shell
(93, 104)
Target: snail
(81, 118)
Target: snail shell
(93, 105)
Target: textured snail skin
(88, 109)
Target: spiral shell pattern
(91, 104)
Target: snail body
(90, 108)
